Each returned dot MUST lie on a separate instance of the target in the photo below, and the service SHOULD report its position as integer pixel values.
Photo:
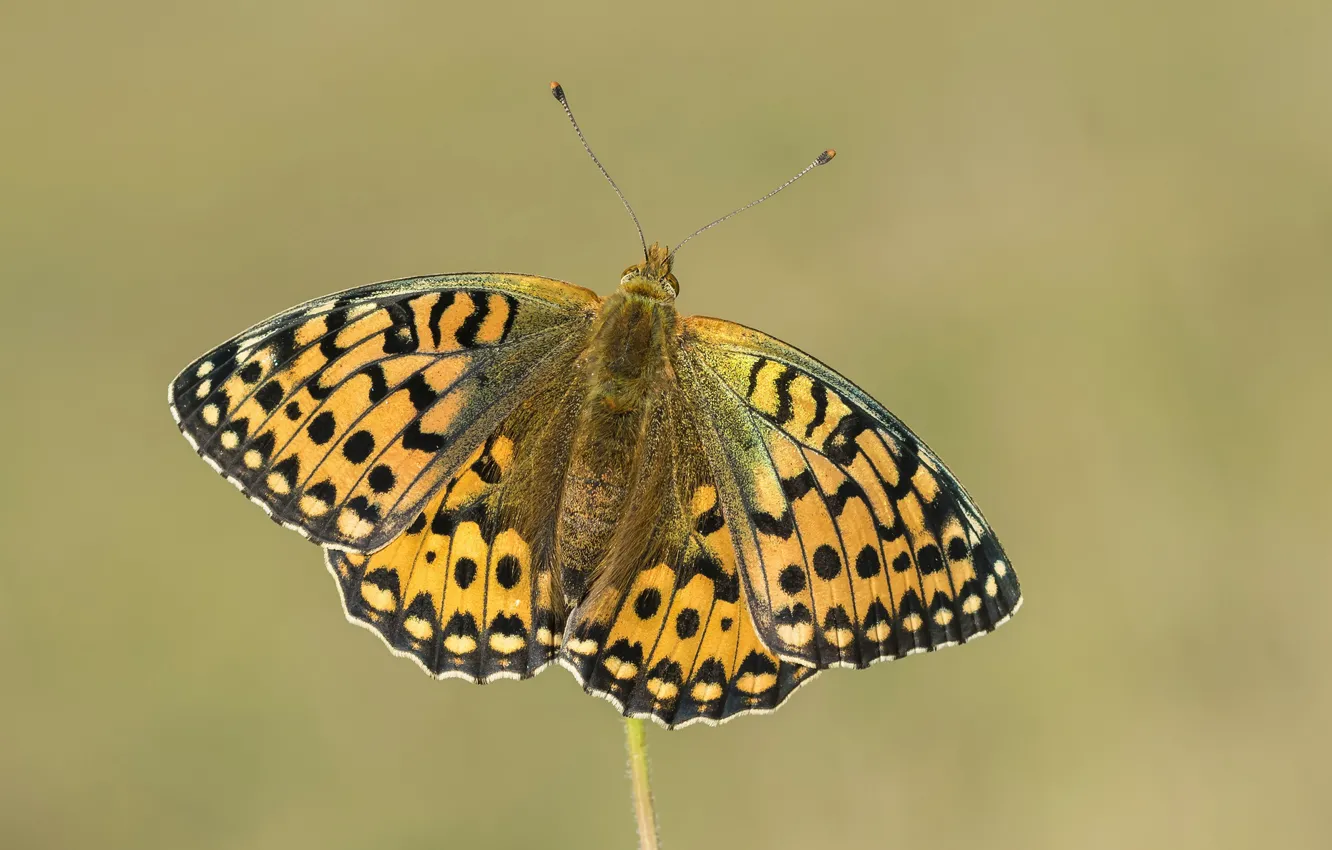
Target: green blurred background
(1084, 249)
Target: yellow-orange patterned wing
(854, 542)
(344, 416)
(666, 632)
(467, 589)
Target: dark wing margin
(342, 417)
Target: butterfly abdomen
(624, 373)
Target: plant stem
(638, 771)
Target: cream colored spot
(253, 459)
(585, 646)
(506, 644)
(705, 691)
(230, 439)
(350, 522)
(620, 669)
(839, 637)
(991, 587)
(546, 637)
(377, 597)
(211, 414)
(278, 484)
(204, 389)
(756, 683)
(797, 634)
(418, 627)
(361, 310)
(943, 616)
(662, 689)
(971, 604)
(459, 644)
(313, 507)
(204, 369)
(912, 622)
(1000, 569)
(879, 631)
(925, 484)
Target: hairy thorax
(626, 375)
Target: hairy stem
(638, 772)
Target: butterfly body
(507, 471)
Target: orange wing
(467, 588)
(343, 416)
(854, 541)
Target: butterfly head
(652, 277)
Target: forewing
(342, 417)
(466, 589)
(854, 541)
(666, 632)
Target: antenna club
(825, 157)
(557, 90)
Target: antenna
(558, 90)
(822, 159)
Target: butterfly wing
(665, 631)
(342, 417)
(467, 588)
(854, 542)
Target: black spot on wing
(753, 377)
(783, 389)
(324, 491)
(797, 485)
(725, 586)
(358, 446)
(845, 492)
(840, 445)
(710, 521)
(269, 395)
(867, 562)
(321, 428)
(419, 391)
(510, 318)
(508, 572)
(378, 383)
(328, 345)
(400, 337)
(792, 580)
(422, 441)
(782, 526)
(827, 563)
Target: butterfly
(506, 471)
